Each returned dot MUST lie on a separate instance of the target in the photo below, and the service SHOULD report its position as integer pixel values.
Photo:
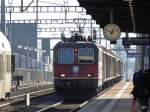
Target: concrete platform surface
(116, 99)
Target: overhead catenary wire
(51, 3)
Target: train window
(86, 55)
(65, 56)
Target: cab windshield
(65, 56)
(86, 55)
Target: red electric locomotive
(82, 68)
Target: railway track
(70, 107)
(65, 107)
(18, 103)
(45, 101)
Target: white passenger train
(5, 66)
(8, 63)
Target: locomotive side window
(65, 56)
(86, 55)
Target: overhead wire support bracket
(78, 23)
(22, 10)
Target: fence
(27, 77)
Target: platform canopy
(130, 15)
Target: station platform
(116, 99)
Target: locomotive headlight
(62, 75)
(88, 75)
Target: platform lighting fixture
(130, 5)
(130, 2)
(131, 13)
(131, 9)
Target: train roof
(109, 52)
(4, 44)
(74, 44)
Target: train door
(12, 63)
(8, 75)
(1, 74)
(104, 67)
(112, 66)
(107, 66)
(100, 66)
(117, 67)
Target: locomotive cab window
(65, 56)
(86, 55)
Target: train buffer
(116, 99)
